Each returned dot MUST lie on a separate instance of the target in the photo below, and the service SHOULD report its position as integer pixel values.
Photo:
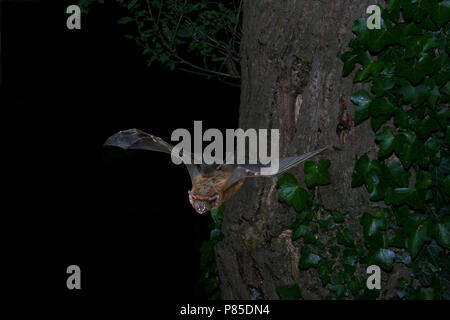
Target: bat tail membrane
(289, 162)
(246, 171)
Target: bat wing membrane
(140, 140)
(254, 170)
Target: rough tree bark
(292, 80)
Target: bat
(211, 184)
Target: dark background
(123, 217)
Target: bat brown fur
(206, 187)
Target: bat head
(202, 204)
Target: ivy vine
(407, 65)
(209, 275)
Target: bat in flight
(211, 184)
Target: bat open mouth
(202, 206)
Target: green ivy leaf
(349, 58)
(334, 251)
(299, 231)
(440, 13)
(381, 107)
(417, 239)
(404, 195)
(375, 184)
(443, 117)
(337, 216)
(442, 232)
(373, 68)
(345, 237)
(317, 175)
(382, 84)
(383, 258)
(308, 258)
(407, 147)
(325, 268)
(416, 45)
(373, 223)
(415, 72)
(423, 179)
(362, 99)
(327, 224)
(350, 257)
(380, 38)
(217, 215)
(414, 95)
(399, 176)
(289, 292)
(386, 140)
(339, 289)
(425, 127)
(291, 193)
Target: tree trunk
(291, 80)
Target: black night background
(123, 217)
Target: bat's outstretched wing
(242, 171)
(140, 140)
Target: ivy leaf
(380, 106)
(325, 268)
(404, 195)
(386, 140)
(423, 179)
(433, 92)
(350, 257)
(407, 147)
(217, 215)
(289, 292)
(380, 38)
(377, 122)
(334, 251)
(360, 29)
(349, 58)
(419, 44)
(401, 119)
(345, 237)
(327, 224)
(291, 193)
(382, 84)
(317, 175)
(373, 223)
(442, 232)
(443, 117)
(425, 127)
(299, 231)
(362, 99)
(415, 72)
(414, 95)
(339, 289)
(383, 258)
(446, 185)
(399, 175)
(337, 216)
(440, 13)
(372, 68)
(417, 239)
(359, 174)
(308, 258)
(375, 185)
